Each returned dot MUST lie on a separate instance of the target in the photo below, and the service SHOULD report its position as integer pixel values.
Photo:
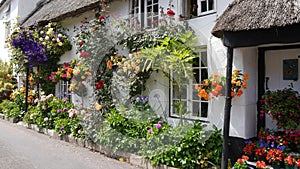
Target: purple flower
(59, 111)
(160, 122)
(65, 109)
(62, 128)
(150, 131)
(158, 126)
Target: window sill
(202, 120)
(202, 15)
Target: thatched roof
(244, 15)
(56, 10)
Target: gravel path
(21, 148)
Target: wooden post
(227, 109)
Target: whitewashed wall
(274, 70)
(117, 8)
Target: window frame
(190, 93)
(139, 11)
(63, 86)
(189, 7)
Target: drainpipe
(227, 109)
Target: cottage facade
(202, 15)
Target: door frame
(261, 121)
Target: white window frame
(191, 94)
(207, 6)
(139, 11)
(63, 89)
(190, 7)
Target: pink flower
(31, 117)
(49, 96)
(158, 126)
(43, 98)
(85, 54)
(150, 131)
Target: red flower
(240, 160)
(85, 54)
(101, 17)
(245, 157)
(170, 12)
(260, 164)
(80, 44)
(100, 84)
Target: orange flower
(109, 64)
(245, 157)
(203, 94)
(236, 72)
(215, 76)
(244, 85)
(233, 81)
(238, 83)
(246, 76)
(218, 88)
(214, 92)
(240, 92)
(232, 94)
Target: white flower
(47, 38)
(59, 35)
(46, 119)
(60, 43)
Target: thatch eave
(244, 15)
(57, 10)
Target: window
(196, 107)
(200, 7)
(63, 89)
(146, 12)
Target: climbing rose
(170, 12)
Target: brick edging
(132, 159)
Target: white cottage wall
(117, 8)
(243, 112)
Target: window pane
(203, 6)
(195, 94)
(203, 59)
(155, 1)
(204, 74)
(155, 9)
(149, 10)
(210, 4)
(196, 73)
(196, 62)
(204, 109)
(196, 109)
(149, 2)
(194, 8)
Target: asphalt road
(21, 148)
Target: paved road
(21, 148)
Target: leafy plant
(283, 107)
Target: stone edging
(130, 158)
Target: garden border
(132, 159)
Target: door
(282, 71)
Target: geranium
(241, 163)
(260, 164)
(283, 107)
(275, 156)
(250, 148)
(289, 160)
(214, 86)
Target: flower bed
(279, 148)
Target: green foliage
(11, 109)
(197, 149)
(283, 106)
